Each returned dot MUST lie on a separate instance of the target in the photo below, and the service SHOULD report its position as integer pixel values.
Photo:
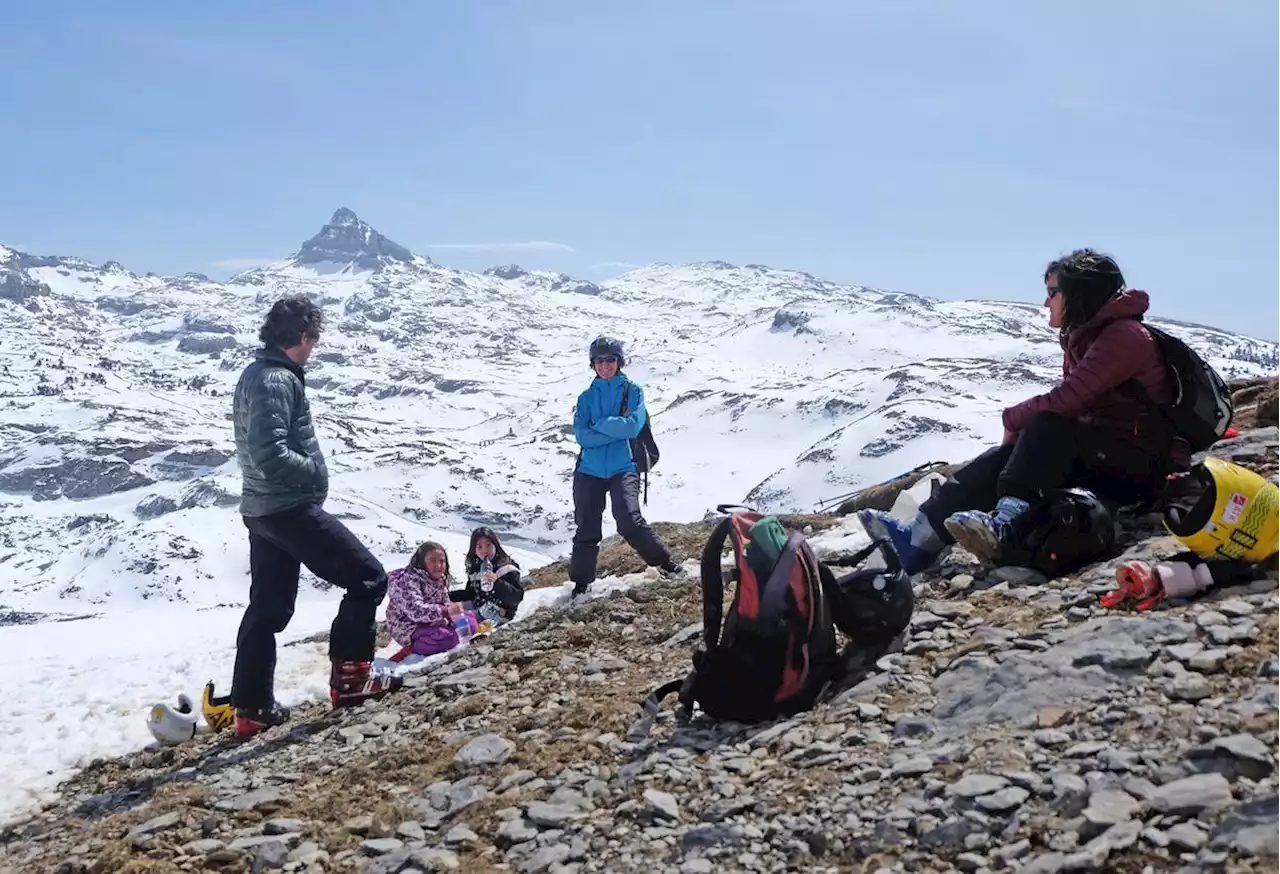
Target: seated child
(494, 591)
(418, 615)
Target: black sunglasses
(605, 359)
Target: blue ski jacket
(601, 432)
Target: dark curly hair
(291, 318)
(419, 559)
(1087, 280)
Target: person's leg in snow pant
(624, 497)
(623, 492)
(1053, 451)
(278, 544)
(589, 493)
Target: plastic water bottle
(486, 568)
(462, 625)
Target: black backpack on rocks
(774, 653)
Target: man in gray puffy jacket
(285, 486)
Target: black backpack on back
(644, 449)
(1200, 410)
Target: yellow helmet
(218, 712)
(1221, 510)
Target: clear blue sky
(945, 148)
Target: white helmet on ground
(172, 725)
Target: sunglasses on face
(606, 359)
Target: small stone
(487, 749)
(1003, 800)
(281, 826)
(516, 831)
(551, 815)
(160, 823)
(545, 858)
(697, 866)
(1186, 836)
(1051, 717)
(411, 831)
(380, 846)
(515, 779)
(913, 767)
(264, 798)
(662, 804)
(202, 847)
(1051, 737)
(1253, 757)
(252, 842)
(1192, 795)
(1184, 652)
(1210, 618)
(307, 853)
(868, 711)
(1208, 662)
(1189, 687)
(273, 854)
(460, 834)
(975, 785)
(1106, 808)
(1085, 748)
(1235, 608)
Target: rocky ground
(1020, 728)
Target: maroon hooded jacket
(1099, 356)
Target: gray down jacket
(280, 458)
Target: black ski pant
(623, 492)
(1052, 452)
(279, 544)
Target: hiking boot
(352, 683)
(580, 589)
(986, 534)
(916, 543)
(673, 571)
(250, 721)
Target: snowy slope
(443, 400)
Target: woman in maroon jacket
(1100, 428)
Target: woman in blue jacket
(605, 468)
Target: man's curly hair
(1087, 280)
(291, 318)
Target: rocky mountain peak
(348, 239)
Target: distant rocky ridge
(444, 399)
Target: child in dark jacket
(418, 615)
(499, 588)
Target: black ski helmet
(871, 605)
(603, 346)
(1063, 532)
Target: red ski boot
(251, 722)
(352, 683)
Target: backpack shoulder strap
(626, 397)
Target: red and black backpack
(775, 653)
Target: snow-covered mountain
(444, 399)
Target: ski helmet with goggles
(604, 347)
(871, 605)
(1061, 533)
(1220, 510)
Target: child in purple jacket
(418, 603)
